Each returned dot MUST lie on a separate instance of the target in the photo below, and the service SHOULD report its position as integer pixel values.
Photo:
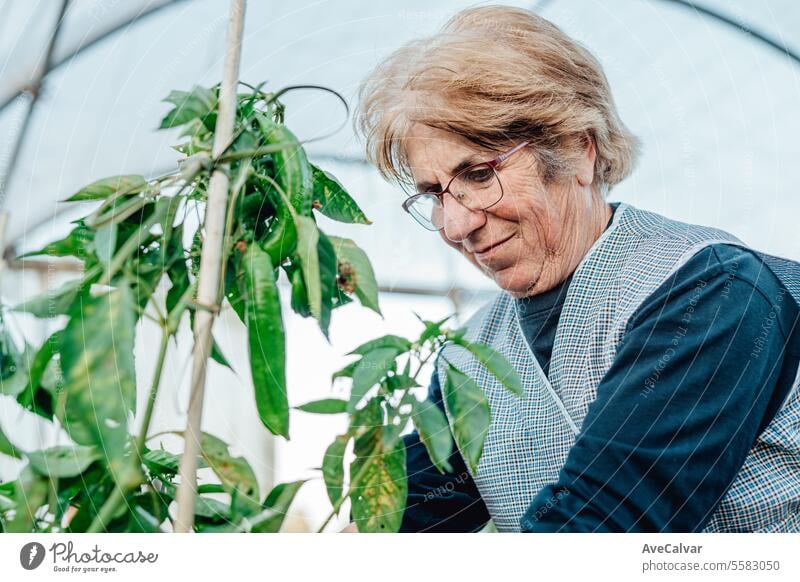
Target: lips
(492, 246)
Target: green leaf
(324, 406)
(496, 364)
(7, 448)
(266, 340)
(87, 492)
(379, 497)
(332, 199)
(369, 371)
(367, 419)
(139, 519)
(399, 382)
(432, 328)
(119, 185)
(105, 242)
(15, 383)
(235, 472)
(58, 301)
(399, 344)
(395, 425)
(218, 356)
(280, 239)
(234, 281)
(172, 234)
(75, 244)
(292, 170)
(43, 379)
(199, 103)
(194, 253)
(161, 462)
(346, 372)
(30, 492)
(431, 424)
(210, 488)
(308, 255)
(470, 414)
(6, 504)
(100, 382)
(356, 271)
(277, 502)
(211, 508)
(63, 461)
(9, 353)
(132, 244)
(333, 468)
(299, 301)
(282, 495)
(329, 290)
(43, 357)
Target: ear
(585, 170)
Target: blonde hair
(496, 75)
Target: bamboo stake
(210, 269)
(3, 222)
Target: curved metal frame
(739, 26)
(539, 6)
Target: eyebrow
(465, 163)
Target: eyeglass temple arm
(503, 157)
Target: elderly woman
(659, 359)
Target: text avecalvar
(671, 549)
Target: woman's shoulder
(730, 279)
(733, 263)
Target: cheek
(541, 218)
(530, 206)
(523, 194)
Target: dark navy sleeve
(705, 363)
(439, 502)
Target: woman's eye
(479, 175)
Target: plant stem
(422, 364)
(127, 249)
(108, 510)
(256, 152)
(228, 233)
(151, 396)
(210, 267)
(61, 402)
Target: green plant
(82, 377)
(380, 407)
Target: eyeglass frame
(493, 163)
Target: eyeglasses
(476, 187)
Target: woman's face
(535, 236)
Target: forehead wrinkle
(464, 163)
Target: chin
(513, 281)
(513, 285)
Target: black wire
(140, 17)
(740, 26)
(35, 91)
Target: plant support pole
(209, 277)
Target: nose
(459, 221)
